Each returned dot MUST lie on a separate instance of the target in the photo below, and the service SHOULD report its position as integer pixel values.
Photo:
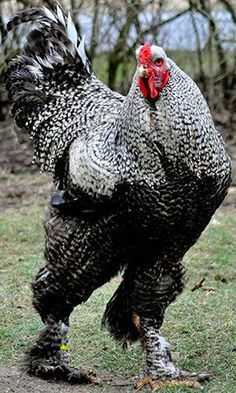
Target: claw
(147, 380)
(90, 375)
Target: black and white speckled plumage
(139, 179)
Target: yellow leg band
(64, 347)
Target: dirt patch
(13, 381)
(20, 190)
(16, 149)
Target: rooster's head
(153, 70)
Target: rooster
(136, 180)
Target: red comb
(145, 53)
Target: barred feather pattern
(52, 87)
(141, 182)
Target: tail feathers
(55, 42)
(20, 83)
(43, 80)
(118, 317)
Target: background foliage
(199, 35)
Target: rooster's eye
(159, 61)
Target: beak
(142, 72)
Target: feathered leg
(161, 371)
(158, 357)
(80, 257)
(137, 309)
(160, 368)
(49, 357)
(145, 290)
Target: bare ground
(13, 381)
(17, 191)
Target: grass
(200, 325)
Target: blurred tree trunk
(206, 11)
(120, 53)
(74, 11)
(95, 28)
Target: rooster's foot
(191, 380)
(62, 372)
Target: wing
(54, 93)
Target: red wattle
(147, 86)
(143, 87)
(151, 83)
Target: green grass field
(200, 325)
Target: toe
(82, 376)
(169, 383)
(155, 385)
(200, 377)
(186, 378)
(147, 380)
